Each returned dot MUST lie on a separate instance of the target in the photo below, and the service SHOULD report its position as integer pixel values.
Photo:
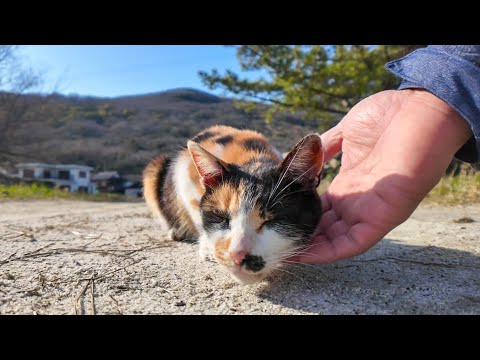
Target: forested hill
(124, 133)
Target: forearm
(451, 73)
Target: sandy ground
(51, 251)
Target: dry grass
(324, 184)
(456, 190)
(460, 189)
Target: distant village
(76, 178)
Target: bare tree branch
(15, 80)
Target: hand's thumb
(332, 142)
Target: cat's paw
(172, 235)
(205, 254)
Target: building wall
(75, 181)
(92, 188)
(38, 173)
(75, 177)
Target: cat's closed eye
(220, 219)
(266, 222)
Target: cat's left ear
(305, 160)
(210, 168)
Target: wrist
(455, 131)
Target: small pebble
(9, 276)
(464, 220)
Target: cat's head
(257, 215)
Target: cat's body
(231, 190)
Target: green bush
(40, 191)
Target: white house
(71, 177)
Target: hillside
(124, 133)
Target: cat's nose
(238, 257)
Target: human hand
(396, 146)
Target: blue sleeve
(451, 73)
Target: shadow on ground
(391, 278)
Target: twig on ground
(116, 303)
(134, 246)
(91, 242)
(92, 293)
(8, 258)
(21, 232)
(77, 299)
(166, 290)
(119, 269)
(39, 249)
(11, 236)
(56, 251)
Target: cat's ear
(210, 168)
(305, 160)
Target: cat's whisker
(293, 192)
(296, 263)
(277, 202)
(304, 268)
(283, 174)
(292, 251)
(285, 271)
(312, 255)
(290, 193)
(294, 275)
(301, 252)
(308, 247)
(297, 178)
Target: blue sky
(115, 70)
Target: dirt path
(50, 251)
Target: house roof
(55, 166)
(105, 175)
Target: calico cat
(248, 207)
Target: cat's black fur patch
(295, 210)
(255, 145)
(204, 136)
(224, 140)
(253, 263)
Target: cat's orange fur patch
(195, 203)
(221, 250)
(235, 151)
(225, 198)
(150, 183)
